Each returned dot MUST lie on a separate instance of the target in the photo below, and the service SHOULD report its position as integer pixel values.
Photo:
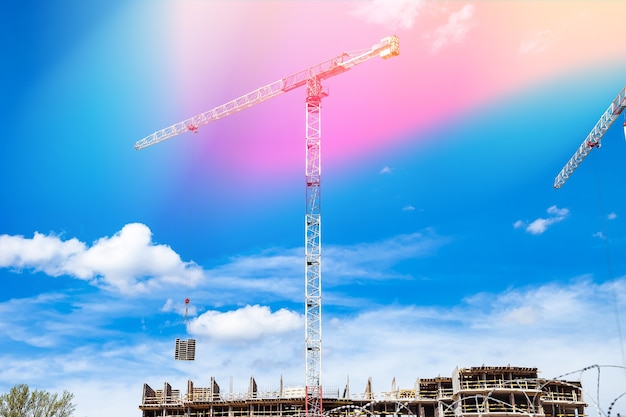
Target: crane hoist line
(311, 78)
(592, 141)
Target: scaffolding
(485, 391)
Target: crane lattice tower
(311, 78)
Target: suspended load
(185, 349)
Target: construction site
(478, 391)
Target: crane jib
(592, 141)
(388, 47)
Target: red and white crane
(311, 78)
(592, 141)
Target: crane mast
(593, 139)
(313, 251)
(311, 78)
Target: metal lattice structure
(313, 249)
(312, 78)
(592, 140)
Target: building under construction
(492, 391)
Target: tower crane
(592, 140)
(311, 78)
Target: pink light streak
(453, 58)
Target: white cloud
(42, 253)
(540, 327)
(375, 261)
(128, 262)
(535, 42)
(455, 29)
(540, 225)
(557, 327)
(54, 319)
(190, 310)
(385, 170)
(544, 307)
(408, 207)
(557, 211)
(273, 273)
(276, 274)
(489, 328)
(392, 14)
(245, 324)
(402, 14)
(612, 216)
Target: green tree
(22, 402)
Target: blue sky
(444, 243)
